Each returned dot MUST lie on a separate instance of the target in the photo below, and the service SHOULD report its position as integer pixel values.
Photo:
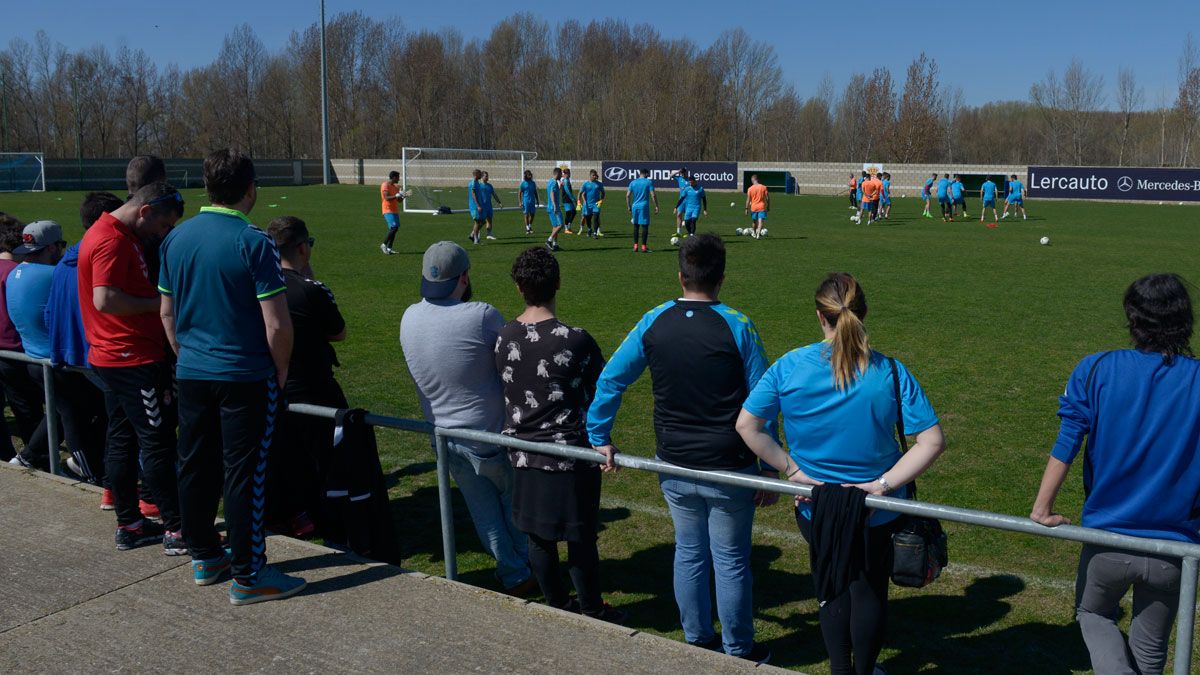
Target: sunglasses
(174, 196)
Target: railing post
(1186, 618)
(449, 550)
(52, 439)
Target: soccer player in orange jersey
(390, 193)
(758, 203)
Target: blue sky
(993, 51)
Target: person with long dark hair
(839, 407)
(1139, 410)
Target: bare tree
(917, 124)
(1187, 103)
(1129, 100)
(1083, 96)
(1048, 98)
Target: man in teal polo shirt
(224, 308)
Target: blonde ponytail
(844, 305)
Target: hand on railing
(1049, 519)
(767, 497)
(798, 476)
(609, 451)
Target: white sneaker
(491, 237)
(1003, 216)
(1024, 217)
(383, 248)
(391, 252)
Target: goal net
(22, 172)
(436, 178)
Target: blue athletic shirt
(942, 185)
(27, 292)
(529, 195)
(592, 192)
(641, 189)
(956, 189)
(693, 199)
(1015, 188)
(989, 190)
(840, 436)
(858, 192)
(554, 196)
(1141, 418)
(568, 195)
(887, 189)
(928, 186)
(217, 267)
(486, 191)
(473, 189)
(704, 357)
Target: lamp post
(324, 107)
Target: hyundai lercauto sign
(1087, 182)
(710, 175)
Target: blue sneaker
(209, 572)
(271, 584)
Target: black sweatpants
(302, 453)
(142, 414)
(583, 564)
(25, 397)
(855, 621)
(80, 404)
(225, 431)
(645, 231)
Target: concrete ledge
(69, 601)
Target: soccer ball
(674, 241)
(732, 204)
(739, 231)
(763, 232)
(1045, 241)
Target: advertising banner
(711, 175)
(1078, 182)
(872, 168)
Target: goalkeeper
(389, 191)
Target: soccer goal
(436, 178)
(22, 172)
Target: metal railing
(1187, 552)
(52, 438)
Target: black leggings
(947, 209)
(690, 225)
(592, 222)
(645, 230)
(855, 621)
(583, 564)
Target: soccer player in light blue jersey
(987, 192)
(487, 194)
(529, 200)
(591, 195)
(927, 195)
(682, 182)
(1016, 197)
(943, 197)
(474, 204)
(569, 206)
(958, 196)
(692, 202)
(637, 199)
(885, 196)
(554, 207)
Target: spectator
(17, 388)
(26, 292)
(304, 441)
(448, 342)
(224, 308)
(128, 355)
(141, 171)
(1139, 410)
(704, 357)
(838, 400)
(547, 390)
(78, 397)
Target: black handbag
(920, 548)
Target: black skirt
(557, 505)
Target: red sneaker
(302, 526)
(107, 503)
(149, 510)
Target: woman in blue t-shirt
(839, 408)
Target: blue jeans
(712, 532)
(485, 479)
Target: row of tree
(606, 89)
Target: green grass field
(989, 321)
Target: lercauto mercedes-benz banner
(710, 175)
(1087, 182)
